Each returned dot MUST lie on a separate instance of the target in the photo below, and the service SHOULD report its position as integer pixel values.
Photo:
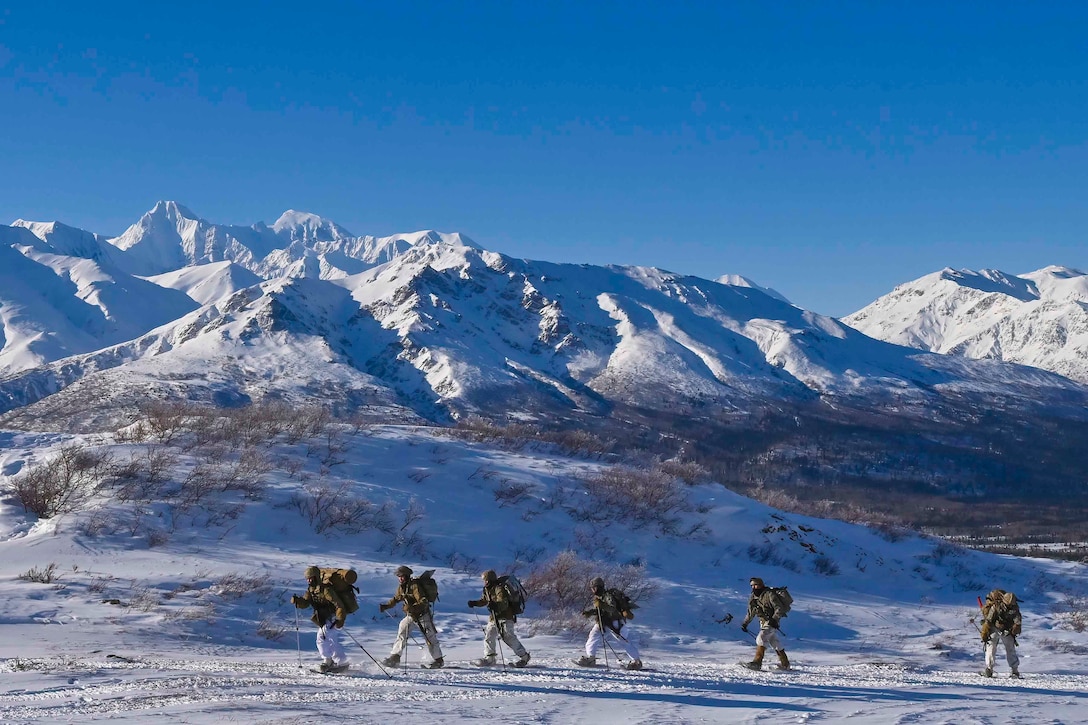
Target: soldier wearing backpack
(502, 603)
(329, 615)
(611, 609)
(412, 592)
(768, 606)
(1000, 625)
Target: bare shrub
(825, 566)
(48, 575)
(1072, 613)
(236, 585)
(270, 627)
(1063, 646)
(638, 496)
(64, 483)
(307, 423)
(560, 588)
(769, 554)
(336, 509)
(689, 472)
(166, 419)
(511, 493)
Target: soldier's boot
(437, 664)
(988, 672)
(586, 661)
(1015, 674)
(757, 661)
(391, 660)
(633, 665)
(783, 660)
(485, 661)
(327, 665)
(522, 661)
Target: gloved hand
(628, 614)
(475, 603)
(772, 623)
(339, 624)
(1015, 629)
(744, 626)
(383, 606)
(589, 612)
(294, 599)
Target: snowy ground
(881, 630)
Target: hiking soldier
(1000, 625)
(611, 609)
(500, 622)
(765, 605)
(417, 611)
(329, 616)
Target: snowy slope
(55, 302)
(156, 613)
(1038, 319)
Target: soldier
(611, 609)
(765, 605)
(500, 622)
(329, 616)
(1000, 625)
(417, 610)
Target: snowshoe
(333, 669)
(522, 661)
(585, 661)
(391, 661)
(987, 672)
(1015, 675)
(485, 661)
(436, 665)
(633, 665)
(753, 665)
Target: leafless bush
(638, 496)
(144, 598)
(464, 564)
(270, 627)
(1072, 613)
(511, 493)
(891, 532)
(336, 509)
(236, 585)
(825, 566)
(64, 483)
(48, 575)
(166, 419)
(419, 475)
(307, 423)
(1063, 646)
(689, 472)
(560, 588)
(768, 554)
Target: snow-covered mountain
(1038, 319)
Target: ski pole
(379, 664)
(298, 640)
(501, 639)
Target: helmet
(757, 582)
(312, 572)
(596, 584)
(404, 571)
(489, 576)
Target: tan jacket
(763, 605)
(415, 601)
(326, 603)
(497, 601)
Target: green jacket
(326, 603)
(607, 608)
(497, 601)
(415, 601)
(764, 606)
(1000, 613)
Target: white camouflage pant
(1010, 650)
(506, 629)
(596, 639)
(769, 637)
(430, 635)
(328, 643)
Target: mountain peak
(171, 209)
(304, 225)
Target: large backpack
(1006, 608)
(342, 582)
(428, 585)
(783, 599)
(515, 593)
(623, 603)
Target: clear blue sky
(828, 150)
